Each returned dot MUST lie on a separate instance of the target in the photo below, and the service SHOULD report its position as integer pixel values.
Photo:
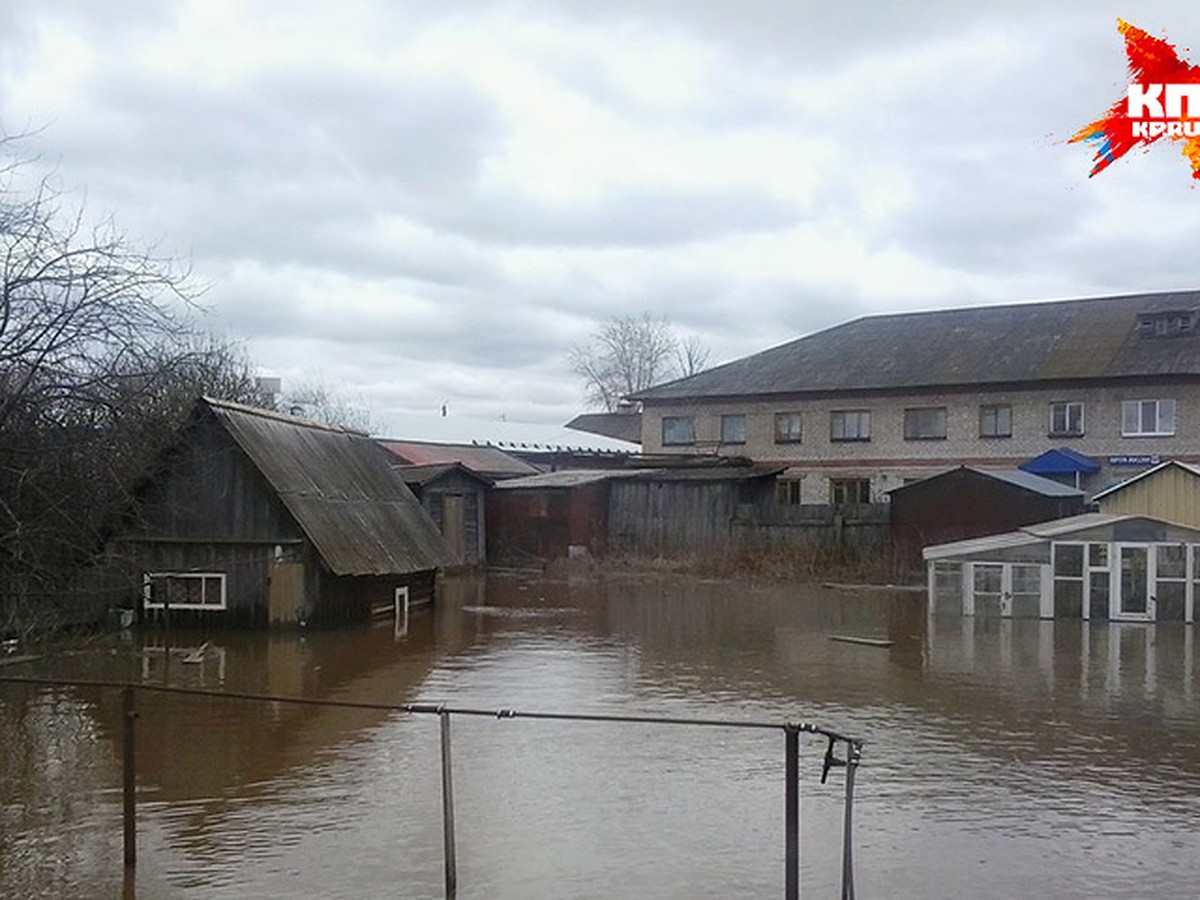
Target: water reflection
(1004, 757)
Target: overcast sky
(432, 200)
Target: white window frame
(1066, 406)
(691, 420)
(732, 420)
(862, 425)
(148, 579)
(1134, 418)
(992, 414)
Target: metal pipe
(802, 727)
(448, 854)
(853, 751)
(791, 813)
(129, 817)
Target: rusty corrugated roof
(342, 490)
(481, 459)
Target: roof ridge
(298, 421)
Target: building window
(733, 429)
(1066, 419)
(678, 430)
(849, 491)
(183, 590)
(1147, 417)
(788, 428)
(995, 421)
(787, 493)
(926, 424)
(1167, 323)
(850, 425)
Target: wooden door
(454, 526)
(285, 594)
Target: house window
(926, 424)
(788, 428)
(183, 590)
(678, 430)
(1066, 419)
(848, 491)
(995, 421)
(850, 425)
(1147, 417)
(733, 429)
(787, 493)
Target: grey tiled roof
(1032, 342)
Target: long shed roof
(341, 489)
(1013, 344)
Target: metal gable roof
(339, 486)
(1012, 344)
(1143, 475)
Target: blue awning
(1061, 461)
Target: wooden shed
(688, 509)
(455, 498)
(1170, 490)
(251, 517)
(968, 502)
(1092, 566)
(549, 516)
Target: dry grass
(803, 562)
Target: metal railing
(791, 732)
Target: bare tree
(98, 364)
(631, 353)
(691, 356)
(314, 398)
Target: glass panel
(788, 428)
(1068, 559)
(1170, 601)
(947, 589)
(678, 430)
(987, 579)
(1134, 570)
(1098, 556)
(1068, 598)
(1098, 583)
(1172, 561)
(733, 429)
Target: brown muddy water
(1002, 759)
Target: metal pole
(130, 778)
(448, 808)
(852, 755)
(791, 804)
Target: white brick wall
(889, 460)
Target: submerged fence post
(852, 755)
(791, 812)
(448, 856)
(129, 716)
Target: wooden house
(967, 502)
(455, 498)
(251, 517)
(1171, 491)
(1092, 566)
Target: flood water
(1002, 759)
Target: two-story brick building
(872, 404)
